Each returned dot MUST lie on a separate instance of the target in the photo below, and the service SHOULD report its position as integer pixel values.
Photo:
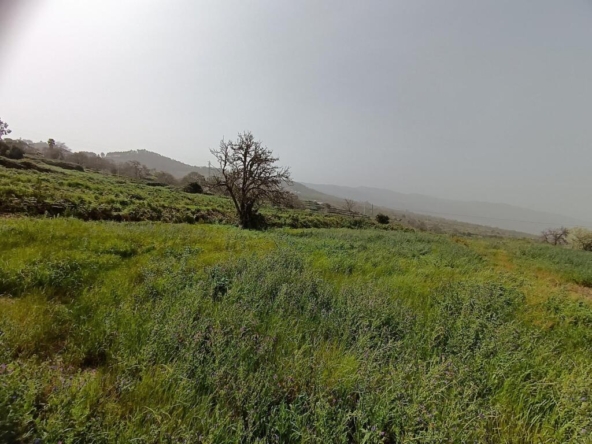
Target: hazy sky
(478, 100)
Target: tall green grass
(573, 265)
(151, 332)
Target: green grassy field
(153, 332)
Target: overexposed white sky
(462, 99)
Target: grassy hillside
(392, 206)
(43, 189)
(153, 332)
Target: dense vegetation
(42, 187)
(152, 332)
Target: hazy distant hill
(503, 216)
(157, 161)
(435, 211)
(179, 169)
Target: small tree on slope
(249, 175)
(555, 236)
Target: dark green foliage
(16, 153)
(11, 151)
(382, 219)
(193, 188)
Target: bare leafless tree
(289, 200)
(249, 175)
(555, 236)
(350, 206)
(135, 169)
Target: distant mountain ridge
(500, 215)
(157, 162)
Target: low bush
(11, 151)
(382, 219)
(193, 188)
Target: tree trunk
(248, 218)
(244, 220)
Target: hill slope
(499, 215)
(34, 187)
(423, 209)
(157, 162)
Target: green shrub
(11, 151)
(193, 188)
(382, 219)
